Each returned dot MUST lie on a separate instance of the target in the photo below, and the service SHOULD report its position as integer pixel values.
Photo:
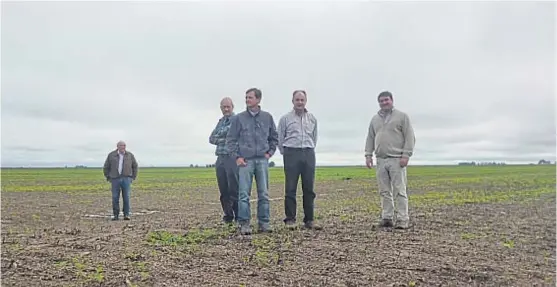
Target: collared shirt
(120, 161)
(297, 130)
(218, 136)
(254, 113)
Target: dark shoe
(290, 224)
(228, 219)
(264, 229)
(312, 225)
(386, 223)
(245, 229)
(114, 218)
(127, 218)
(401, 225)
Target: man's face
(121, 147)
(299, 101)
(251, 100)
(226, 108)
(385, 103)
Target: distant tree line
(473, 163)
(481, 163)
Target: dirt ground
(499, 231)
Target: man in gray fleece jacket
(252, 140)
(391, 137)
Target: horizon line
(203, 166)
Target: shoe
(245, 229)
(311, 225)
(386, 223)
(127, 217)
(401, 225)
(228, 219)
(114, 218)
(290, 224)
(264, 228)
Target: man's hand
(267, 156)
(240, 161)
(369, 162)
(403, 161)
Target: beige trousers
(391, 179)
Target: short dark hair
(256, 91)
(385, 94)
(299, 91)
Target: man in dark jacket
(225, 166)
(252, 140)
(120, 168)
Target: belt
(298, 148)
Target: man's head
(121, 146)
(226, 106)
(299, 99)
(385, 100)
(253, 97)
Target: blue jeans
(258, 167)
(121, 184)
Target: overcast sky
(477, 79)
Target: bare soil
(175, 238)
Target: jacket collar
(294, 111)
(254, 113)
(384, 113)
(227, 117)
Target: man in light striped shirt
(297, 140)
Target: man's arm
(232, 137)
(314, 133)
(106, 167)
(273, 137)
(370, 141)
(213, 138)
(281, 134)
(409, 138)
(134, 167)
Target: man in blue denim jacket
(252, 140)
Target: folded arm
(214, 137)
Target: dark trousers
(227, 178)
(299, 162)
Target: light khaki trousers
(391, 179)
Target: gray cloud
(476, 78)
